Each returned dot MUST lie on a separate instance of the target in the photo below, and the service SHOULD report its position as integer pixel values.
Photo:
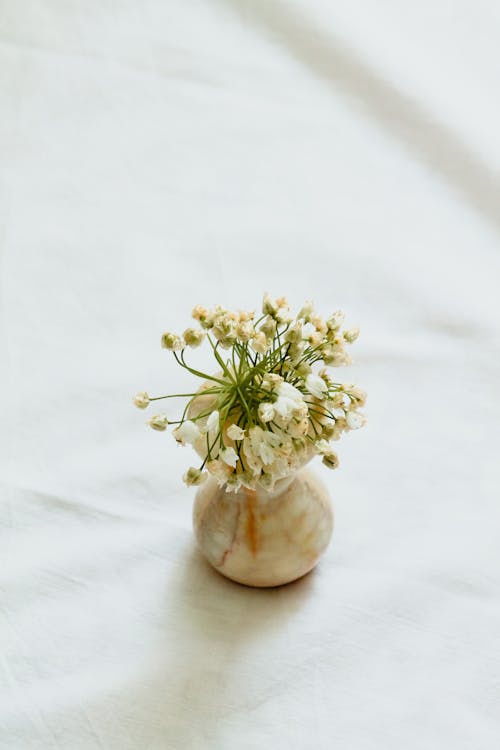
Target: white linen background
(159, 154)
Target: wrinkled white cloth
(156, 155)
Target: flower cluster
(268, 409)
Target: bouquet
(271, 404)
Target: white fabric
(159, 154)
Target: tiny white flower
(229, 456)
(266, 452)
(172, 342)
(335, 321)
(351, 335)
(354, 420)
(194, 476)
(141, 400)
(193, 337)
(285, 407)
(266, 411)
(158, 422)
(187, 433)
(308, 330)
(259, 343)
(316, 386)
(213, 422)
(322, 446)
(269, 306)
(289, 391)
(219, 470)
(235, 432)
(306, 310)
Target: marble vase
(264, 538)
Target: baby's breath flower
(330, 459)
(194, 476)
(187, 433)
(158, 422)
(141, 400)
(235, 433)
(351, 335)
(193, 337)
(172, 342)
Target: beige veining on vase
(261, 538)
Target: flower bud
(269, 306)
(331, 460)
(158, 422)
(193, 337)
(335, 321)
(351, 335)
(194, 476)
(172, 342)
(141, 400)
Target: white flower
(235, 433)
(259, 343)
(316, 386)
(263, 443)
(354, 420)
(194, 476)
(335, 321)
(229, 456)
(289, 391)
(141, 400)
(299, 429)
(268, 327)
(308, 330)
(212, 422)
(172, 342)
(158, 422)
(269, 306)
(245, 330)
(283, 314)
(193, 337)
(290, 400)
(266, 411)
(351, 335)
(306, 310)
(219, 470)
(187, 433)
(358, 394)
(322, 446)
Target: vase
(262, 538)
